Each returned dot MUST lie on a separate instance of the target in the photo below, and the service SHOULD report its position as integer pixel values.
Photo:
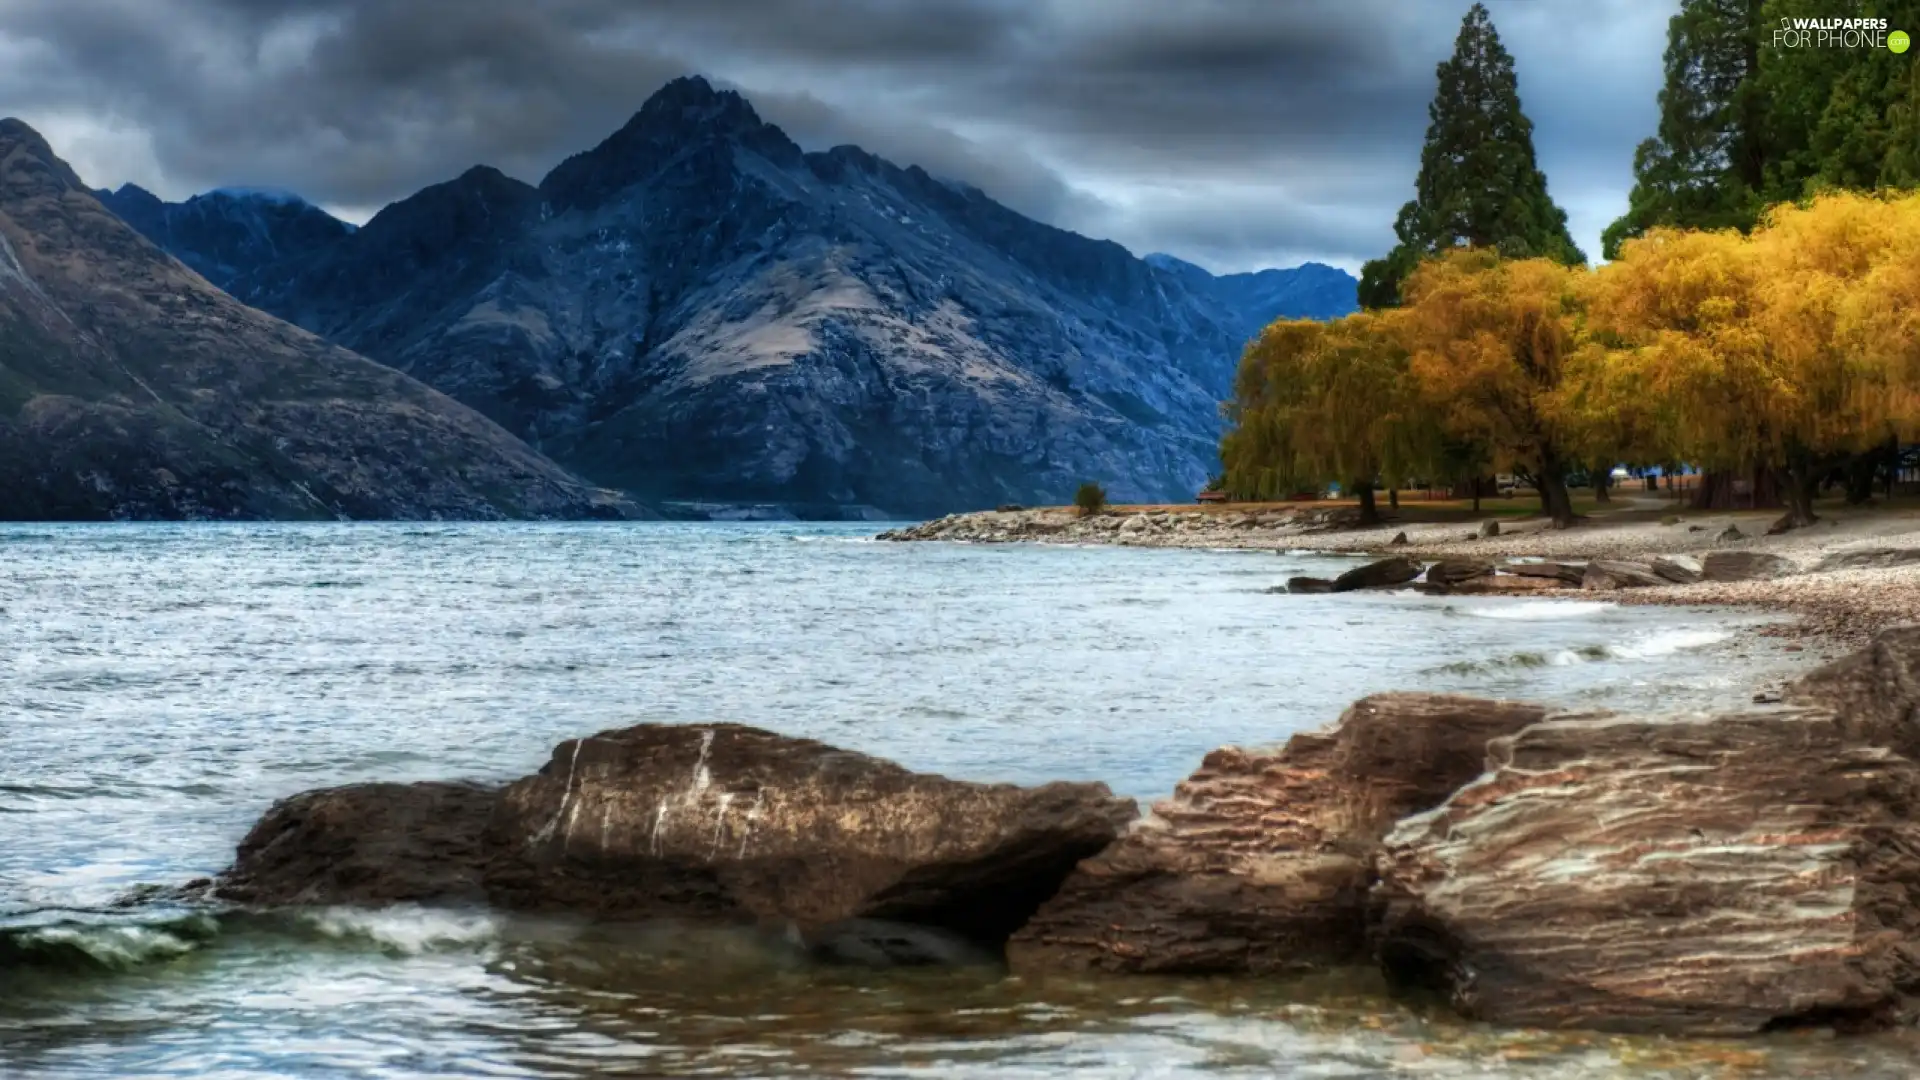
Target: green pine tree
(1479, 183)
(1745, 124)
(1707, 165)
(1860, 135)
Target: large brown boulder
(1706, 875)
(366, 844)
(1566, 573)
(1448, 573)
(1505, 585)
(1875, 692)
(1678, 569)
(1609, 574)
(1259, 862)
(1744, 566)
(733, 821)
(1868, 558)
(723, 822)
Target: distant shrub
(1091, 498)
(1009, 508)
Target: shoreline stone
(721, 822)
(1704, 876)
(1259, 862)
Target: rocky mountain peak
(28, 166)
(692, 104)
(685, 123)
(476, 201)
(133, 193)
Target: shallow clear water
(160, 685)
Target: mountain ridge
(695, 307)
(131, 387)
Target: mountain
(1308, 291)
(225, 233)
(130, 387)
(696, 308)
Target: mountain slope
(696, 308)
(132, 388)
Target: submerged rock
(1259, 861)
(1395, 570)
(1744, 566)
(1705, 876)
(1308, 585)
(720, 822)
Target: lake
(161, 684)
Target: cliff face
(697, 308)
(132, 388)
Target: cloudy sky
(1235, 133)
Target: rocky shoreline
(1701, 875)
(1844, 580)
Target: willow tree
(1787, 350)
(1487, 340)
(1326, 401)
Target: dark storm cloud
(1233, 132)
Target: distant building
(1211, 497)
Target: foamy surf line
(1528, 610)
(1663, 643)
(83, 944)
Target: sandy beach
(1851, 574)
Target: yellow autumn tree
(1332, 401)
(1787, 349)
(1488, 340)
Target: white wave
(1668, 642)
(119, 947)
(1528, 610)
(834, 539)
(409, 929)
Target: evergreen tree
(1479, 183)
(1859, 134)
(1706, 166)
(1745, 124)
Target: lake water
(160, 685)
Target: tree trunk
(1393, 497)
(1718, 490)
(1369, 512)
(1602, 477)
(1554, 500)
(1796, 483)
(1862, 471)
(1476, 495)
